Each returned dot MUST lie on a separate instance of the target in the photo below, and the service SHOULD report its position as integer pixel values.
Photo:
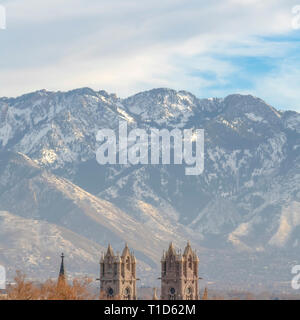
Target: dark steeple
(62, 275)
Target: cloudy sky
(210, 48)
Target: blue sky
(210, 48)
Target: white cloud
(127, 46)
(281, 87)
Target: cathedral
(179, 275)
(118, 275)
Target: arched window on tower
(164, 267)
(109, 264)
(115, 268)
(122, 270)
(190, 262)
(128, 263)
(171, 263)
(195, 268)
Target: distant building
(118, 275)
(179, 274)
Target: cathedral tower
(179, 274)
(118, 275)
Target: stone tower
(179, 274)
(118, 275)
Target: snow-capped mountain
(247, 201)
(32, 246)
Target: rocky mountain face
(245, 205)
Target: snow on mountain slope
(165, 107)
(34, 246)
(252, 170)
(56, 129)
(289, 223)
(30, 192)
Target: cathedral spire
(118, 275)
(188, 248)
(62, 275)
(126, 251)
(110, 251)
(172, 249)
(179, 274)
(62, 267)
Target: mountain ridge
(241, 202)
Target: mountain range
(242, 213)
